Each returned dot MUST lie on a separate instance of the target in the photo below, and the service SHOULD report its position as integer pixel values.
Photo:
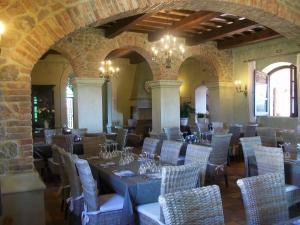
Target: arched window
(276, 90)
(69, 101)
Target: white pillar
(88, 103)
(165, 104)
(251, 69)
(298, 89)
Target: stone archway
(34, 26)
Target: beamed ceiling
(227, 30)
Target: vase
(46, 124)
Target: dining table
(136, 189)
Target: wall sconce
(239, 89)
(2, 30)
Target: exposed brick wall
(35, 25)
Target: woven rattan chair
(267, 135)
(217, 162)
(198, 154)
(250, 130)
(235, 130)
(248, 144)
(264, 199)
(271, 160)
(121, 138)
(170, 151)
(106, 209)
(75, 201)
(91, 145)
(174, 178)
(64, 179)
(151, 145)
(173, 133)
(200, 206)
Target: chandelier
(107, 70)
(165, 50)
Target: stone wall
(34, 26)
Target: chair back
(173, 133)
(91, 145)
(235, 130)
(79, 132)
(48, 135)
(248, 145)
(151, 145)
(220, 146)
(170, 151)
(199, 206)
(269, 160)
(58, 154)
(121, 137)
(179, 178)
(250, 130)
(88, 185)
(267, 135)
(198, 154)
(64, 141)
(264, 199)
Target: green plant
(186, 109)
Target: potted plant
(185, 110)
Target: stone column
(251, 69)
(165, 104)
(88, 103)
(298, 89)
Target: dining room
(149, 112)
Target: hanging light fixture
(165, 50)
(107, 70)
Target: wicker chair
(267, 135)
(64, 179)
(235, 130)
(200, 206)
(250, 130)
(271, 160)
(121, 138)
(106, 209)
(91, 145)
(151, 145)
(79, 132)
(75, 201)
(264, 199)
(248, 144)
(174, 178)
(219, 155)
(173, 133)
(198, 154)
(170, 151)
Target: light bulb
(2, 28)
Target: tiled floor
(232, 203)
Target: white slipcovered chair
(105, 209)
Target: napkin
(124, 173)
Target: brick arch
(47, 22)
(220, 61)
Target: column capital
(89, 81)
(164, 83)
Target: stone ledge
(24, 182)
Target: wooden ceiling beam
(218, 33)
(186, 23)
(124, 24)
(247, 39)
